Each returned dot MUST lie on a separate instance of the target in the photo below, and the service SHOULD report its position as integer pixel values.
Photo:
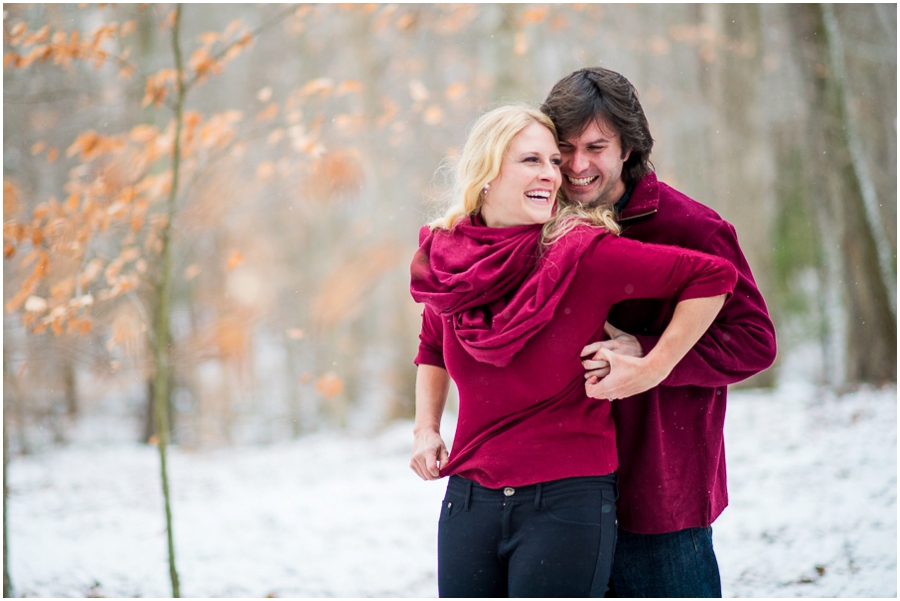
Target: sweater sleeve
(623, 269)
(740, 342)
(431, 340)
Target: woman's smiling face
(525, 190)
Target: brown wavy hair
(598, 94)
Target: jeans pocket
(450, 507)
(583, 508)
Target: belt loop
(537, 497)
(468, 494)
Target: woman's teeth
(541, 195)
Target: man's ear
(626, 154)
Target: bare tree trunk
(853, 277)
(161, 341)
(860, 167)
(744, 173)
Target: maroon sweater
(509, 325)
(671, 449)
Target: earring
(486, 189)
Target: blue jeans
(675, 564)
(553, 539)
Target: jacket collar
(643, 200)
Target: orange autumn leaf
(265, 171)
(329, 385)
(232, 27)
(405, 22)
(521, 44)
(10, 198)
(11, 58)
(534, 15)
(203, 64)
(264, 94)
(268, 113)
(168, 22)
(337, 174)
(455, 91)
(209, 38)
(38, 36)
(322, 85)
(349, 86)
(433, 115)
(234, 259)
(17, 33)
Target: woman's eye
(556, 162)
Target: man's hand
(620, 342)
(627, 377)
(428, 455)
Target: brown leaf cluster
(219, 49)
(335, 175)
(157, 87)
(62, 46)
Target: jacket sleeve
(740, 342)
(431, 340)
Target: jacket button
(509, 491)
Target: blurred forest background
(216, 207)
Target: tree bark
(865, 186)
(853, 277)
(161, 341)
(744, 171)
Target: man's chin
(584, 198)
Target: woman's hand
(429, 451)
(428, 455)
(619, 342)
(627, 377)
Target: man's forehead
(596, 130)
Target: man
(669, 439)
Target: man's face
(592, 166)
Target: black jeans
(554, 539)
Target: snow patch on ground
(812, 486)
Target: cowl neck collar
(498, 286)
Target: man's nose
(576, 161)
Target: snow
(812, 480)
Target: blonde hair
(570, 214)
(480, 161)
(481, 157)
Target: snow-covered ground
(813, 487)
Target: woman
(512, 294)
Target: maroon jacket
(671, 449)
(509, 328)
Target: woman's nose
(550, 172)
